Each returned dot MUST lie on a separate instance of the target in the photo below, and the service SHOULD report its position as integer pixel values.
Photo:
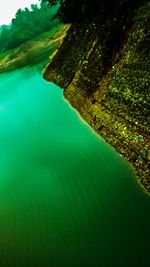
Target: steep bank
(34, 51)
(105, 70)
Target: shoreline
(108, 82)
(34, 51)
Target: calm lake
(67, 199)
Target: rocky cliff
(104, 68)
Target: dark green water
(66, 198)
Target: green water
(67, 199)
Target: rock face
(105, 71)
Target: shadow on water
(67, 199)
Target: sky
(8, 8)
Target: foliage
(77, 10)
(27, 24)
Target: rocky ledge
(105, 71)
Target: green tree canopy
(77, 10)
(27, 24)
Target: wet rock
(108, 81)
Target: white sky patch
(8, 8)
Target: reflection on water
(66, 198)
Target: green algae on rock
(105, 71)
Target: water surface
(67, 199)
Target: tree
(78, 10)
(27, 24)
